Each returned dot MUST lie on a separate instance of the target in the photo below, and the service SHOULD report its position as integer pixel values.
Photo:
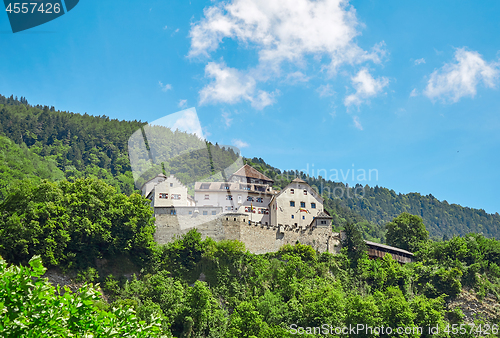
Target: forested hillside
(85, 221)
(380, 205)
(84, 145)
(202, 288)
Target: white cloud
(357, 124)
(166, 87)
(414, 92)
(280, 31)
(284, 30)
(230, 85)
(419, 61)
(166, 27)
(366, 87)
(175, 32)
(182, 103)
(226, 118)
(461, 77)
(296, 77)
(325, 90)
(239, 143)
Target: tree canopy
(406, 231)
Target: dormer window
(225, 186)
(205, 186)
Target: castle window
(302, 204)
(190, 212)
(303, 217)
(292, 191)
(163, 195)
(173, 212)
(313, 205)
(229, 197)
(205, 186)
(293, 216)
(259, 199)
(292, 203)
(249, 199)
(171, 184)
(323, 222)
(244, 187)
(305, 192)
(176, 196)
(225, 186)
(205, 213)
(229, 208)
(214, 212)
(207, 197)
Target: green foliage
(247, 295)
(17, 162)
(90, 275)
(406, 232)
(73, 224)
(31, 307)
(353, 243)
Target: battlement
(258, 237)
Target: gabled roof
(159, 175)
(323, 215)
(248, 171)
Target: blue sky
(408, 88)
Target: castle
(244, 208)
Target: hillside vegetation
(202, 288)
(88, 146)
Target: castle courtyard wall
(258, 238)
